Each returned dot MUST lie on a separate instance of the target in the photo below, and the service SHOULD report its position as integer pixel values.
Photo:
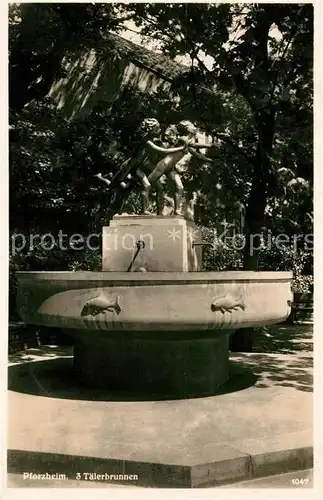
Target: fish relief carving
(100, 304)
(228, 303)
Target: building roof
(160, 64)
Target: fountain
(151, 320)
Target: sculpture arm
(103, 179)
(164, 150)
(196, 145)
(200, 156)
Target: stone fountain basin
(156, 301)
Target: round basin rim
(157, 276)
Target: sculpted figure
(148, 171)
(186, 133)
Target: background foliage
(254, 97)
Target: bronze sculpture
(148, 170)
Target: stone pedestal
(184, 367)
(168, 244)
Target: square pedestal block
(168, 244)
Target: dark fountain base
(184, 367)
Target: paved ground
(264, 413)
(297, 480)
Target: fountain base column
(188, 367)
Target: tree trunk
(242, 339)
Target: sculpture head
(150, 127)
(171, 134)
(186, 127)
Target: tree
(249, 86)
(41, 35)
(262, 54)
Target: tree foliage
(249, 86)
(261, 57)
(254, 60)
(40, 36)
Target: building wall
(92, 77)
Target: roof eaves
(152, 61)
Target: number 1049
(299, 481)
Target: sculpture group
(154, 159)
